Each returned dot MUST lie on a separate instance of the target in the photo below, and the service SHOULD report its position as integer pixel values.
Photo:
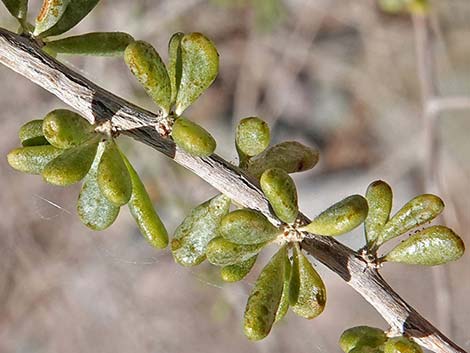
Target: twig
(97, 105)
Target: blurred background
(338, 75)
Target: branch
(24, 56)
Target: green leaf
(432, 246)
(71, 166)
(18, 8)
(32, 159)
(50, 14)
(74, 12)
(264, 300)
(193, 138)
(246, 226)
(416, 212)
(401, 344)
(65, 129)
(149, 69)
(94, 209)
(379, 198)
(279, 189)
(236, 272)
(291, 156)
(307, 294)
(97, 43)
(221, 252)
(175, 65)
(340, 218)
(360, 337)
(252, 137)
(141, 207)
(113, 177)
(200, 65)
(30, 134)
(198, 228)
(284, 304)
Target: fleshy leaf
(147, 66)
(379, 198)
(265, 297)
(280, 190)
(432, 246)
(361, 336)
(236, 272)
(73, 14)
(246, 226)
(193, 138)
(221, 252)
(65, 129)
(416, 212)
(284, 304)
(71, 166)
(291, 156)
(30, 134)
(199, 68)
(113, 177)
(175, 64)
(307, 294)
(401, 344)
(141, 207)
(252, 137)
(32, 159)
(50, 14)
(97, 43)
(198, 228)
(340, 218)
(94, 209)
(18, 8)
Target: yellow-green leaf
(291, 156)
(198, 228)
(221, 252)
(71, 166)
(147, 66)
(432, 246)
(18, 8)
(30, 134)
(379, 198)
(65, 129)
(284, 304)
(236, 272)
(199, 68)
(252, 137)
(175, 64)
(416, 212)
(307, 294)
(50, 13)
(94, 209)
(113, 177)
(141, 207)
(32, 159)
(280, 190)
(97, 43)
(246, 226)
(360, 337)
(340, 218)
(265, 297)
(193, 138)
(401, 344)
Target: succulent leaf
(18, 8)
(246, 226)
(284, 304)
(280, 190)
(94, 209)
(252, 137)
(199, 68)
(30, 134)
(198, 228)
(71, 166)
(141, 207)
(221, 252)
(175, 66)
(416, 212)
(340, 218)
(401, 344)
(32, 159)
(379, 198)
(360, 337)
(236, 272)
(96, 43)
(50, 13)
(264, 300)
(432, 246)
(193, 138)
